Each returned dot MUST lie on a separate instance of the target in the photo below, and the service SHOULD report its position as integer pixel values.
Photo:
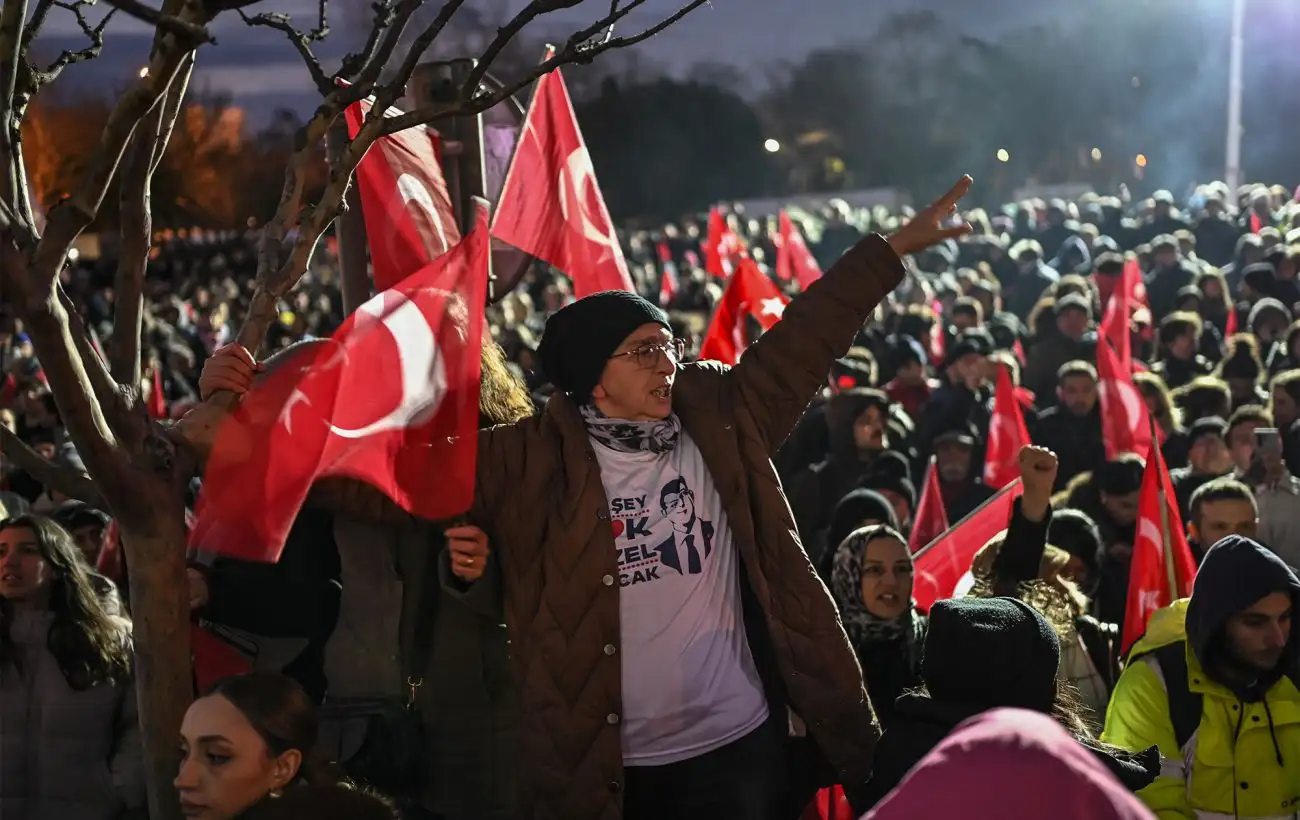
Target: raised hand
(1038, 466)
(930, 227)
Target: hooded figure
(980, 654)
(1011, 763)
(1210, 683)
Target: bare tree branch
(74, 214)
(56, 477)
(67, 58)
(147, 147)
(12, 62)
(578, 49)
(189, 31)
(301, 41)
(507, 33)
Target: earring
(274, 794)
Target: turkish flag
(391, 399)
(1162, 567)
(749, 293)
(723, 249)
(157, 399)
(1127, 301)
(931, 518)
(1124, 413)
(1256, 224)
(409, 218)
(793, 259)
(1007, 435)
(551, 206)
(942, 567)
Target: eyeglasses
(646, 356)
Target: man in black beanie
(662, 613)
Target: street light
(771, 146)
(1141, 160)
(1003, 155)
(144, 72)
(1096, 155)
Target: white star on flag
(773, 307)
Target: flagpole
(1166, 546)
(967, 517)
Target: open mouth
(9, 578)
(663, 392)
(888, 598)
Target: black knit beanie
(580, 337)
(991, 652)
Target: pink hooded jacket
(1010, 763)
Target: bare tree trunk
(160, 610)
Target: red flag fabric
(829, 804)
(938, 344)
(749, 293)
(108, 562)
(157, 400)
(391, 399)
(723, 250)
(551, 206)
(939, 568)
(404, 201)
(1007, 435)
(931, 518)
(1124, 414)
(1160, 551)
(668, 283)
(1256, 224)
(793, 259)
(1230, 324)
(214, 658)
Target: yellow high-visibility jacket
(1243, 761)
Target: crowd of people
(684, 590)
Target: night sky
(260, 70)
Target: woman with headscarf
(871, 582)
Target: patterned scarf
(863, 627)
(632, 436)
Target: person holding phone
(1257, 453)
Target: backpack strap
(1184, 704)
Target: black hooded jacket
(1236, 573)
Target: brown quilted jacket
(540, 499)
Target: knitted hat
(1206, 426)
(580, 337)
(991, 652)
(889, 472)
(853, 509)
(1075, 532)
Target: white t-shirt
(689, 681)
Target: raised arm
(781, 372)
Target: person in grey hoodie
(69, 731)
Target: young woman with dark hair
(69, 734)
(251, 739)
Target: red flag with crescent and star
(391, 399)
(551, 206)
(1124, 412)
(1008, 433)
(1161, 556)
(793, 259)
(749, 293)
(404, 200)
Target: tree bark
(160, 611)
